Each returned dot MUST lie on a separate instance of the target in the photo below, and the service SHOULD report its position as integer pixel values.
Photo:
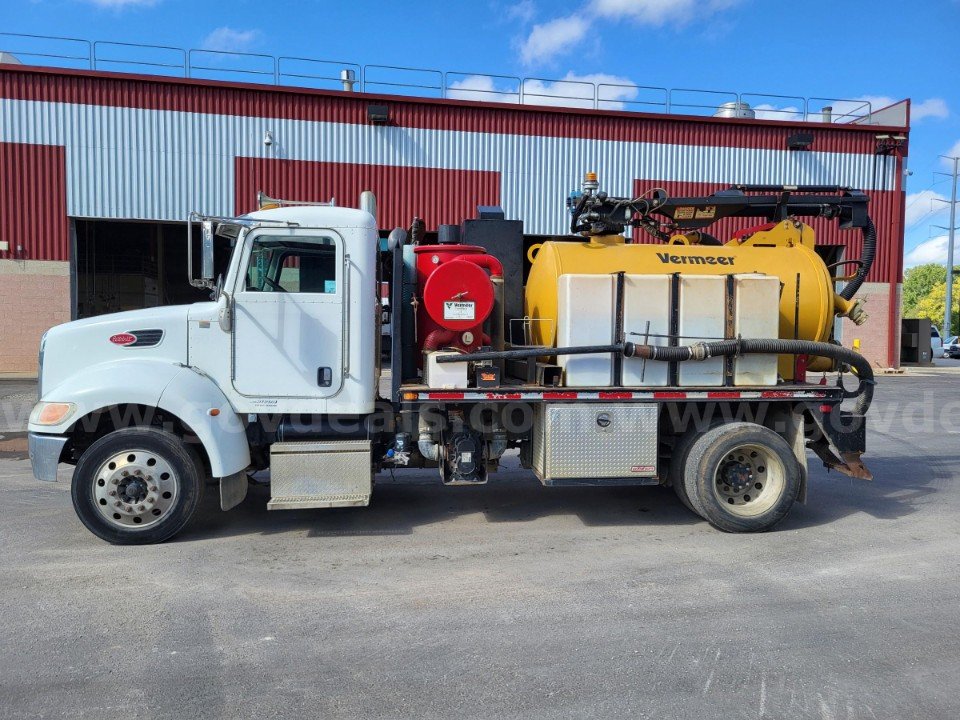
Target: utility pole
(947, 314)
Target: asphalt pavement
(504, 601)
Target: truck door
(289, 330)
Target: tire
(761, 473)
(678, 461)
(137, 486)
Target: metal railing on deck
(422, 82)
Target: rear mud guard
(839, 438)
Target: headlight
(51, 413)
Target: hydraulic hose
(866, 261)
(704, 350)
(746, 346)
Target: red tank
(456, 296)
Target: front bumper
(45, 454)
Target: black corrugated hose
(745, 346)
(866, 261)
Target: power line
(947, 314)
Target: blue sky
(876, 50)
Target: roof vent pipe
(349, 78)
(827, 114)
(735, 110)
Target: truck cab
(292, 329)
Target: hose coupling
(699, 351)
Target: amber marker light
(51, 413)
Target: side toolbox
(595, 444)
(320, 474)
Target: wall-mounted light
(800, 141)
(378, 114)
(268, 138)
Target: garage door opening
(129, 265)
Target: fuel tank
(808, 302)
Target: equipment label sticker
(459, 310)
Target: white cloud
(951, 153)
(933, 108)
(555, 37)
(660, 12)
(850, 110)
(549, 39)
(522, 11)
(766, 111)
(226, 39)
(121, 4)
(482, 88)
(571, 90)
(574, 90)
(921, 205)
(933, 250)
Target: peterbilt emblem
(123, 339)
(138, 338)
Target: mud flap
(840, 439)
(233, 490)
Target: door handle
(325, 376)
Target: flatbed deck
(527, 393)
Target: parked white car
(936, 343)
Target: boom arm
(599, 214)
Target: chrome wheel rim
(135, 489)
(749, 480)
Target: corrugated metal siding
(33, 202)
(179, 95)
(436, 196)
(156, 149)
(886, 211)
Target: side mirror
(225, 312)
(206, 250)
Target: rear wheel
(137, 486)
(678, 462)
(741, 477)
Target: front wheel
(742, 477)
(136, 486)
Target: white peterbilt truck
(602, 360)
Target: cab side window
(292, 265)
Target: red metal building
(98, 172)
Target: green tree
(933, 305)
(917, 283)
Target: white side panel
(646, 300)
(756, 315)
(586, 318)
(702, 301)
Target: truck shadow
(398, 507)
(900, 486)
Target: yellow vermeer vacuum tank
(785, 249)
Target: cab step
(320, 474)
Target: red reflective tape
(723, 395)
(504, 396)
(445, 396)
(616, 395)
(560, 396)
(777, 394)
(669, 395)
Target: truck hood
(156, 333)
